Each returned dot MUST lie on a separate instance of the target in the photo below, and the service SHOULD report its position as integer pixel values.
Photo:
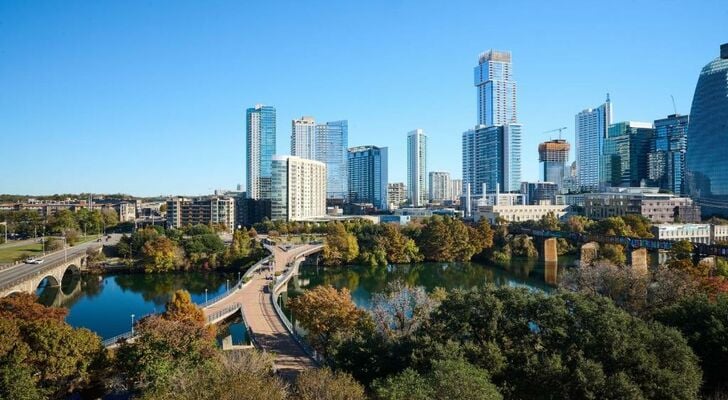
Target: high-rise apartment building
(552, 157)
(332, 141)
(417, 167)
(440, 186)
(707, 162)
(492, 150)
(625, 154)
(492, 158)
(591, 129)
(298, 188)
(396, 194)
(368, 175)
(206, 210)
(303, 134)
(260, 147)
(496, 89)
(666, 160)
(457, 189)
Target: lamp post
(205, 295)
(227, 284)
(132, 325)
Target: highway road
(19, 271)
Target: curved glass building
(707, 152)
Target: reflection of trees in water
(373, 279)
(158, 288)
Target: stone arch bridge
(26, 278)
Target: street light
(132, 325)
(205, 295)
(227, 284)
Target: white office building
(457, 189)
(591, 129)
(303, 135)
(417, 167)
(298, 189)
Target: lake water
(364, 281)
(104, 304)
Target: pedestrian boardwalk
(268, 330)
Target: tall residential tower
(496, 89)
(592, 125)
(331, 143)
(417, 167)
(368, 178)
(302, 137)
(260, 145)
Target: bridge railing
(239, 285)
(225, 311)
(277, 288)
(38, 271)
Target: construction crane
(557, 129)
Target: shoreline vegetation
(655, 334)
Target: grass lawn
(10, 254)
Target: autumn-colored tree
(326, 314)
(399, 248)
(340, 246)
(24, 306)
(40, 355)
(181, 308)
(579, 224)
(160, 254)
(323, 384)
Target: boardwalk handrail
(292, 270)
(227, 310)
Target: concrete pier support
(639, 260)
(550, 250)
(589, 253)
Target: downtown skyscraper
(260, 145)
(328, 143)
(666, 160)
(417, 168)
(368, 175)
(492, 150)
(591, 130)
(303, 134)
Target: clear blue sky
(148, 97)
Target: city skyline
(147, 95)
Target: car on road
(33, 260)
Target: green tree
(40, 355)
(162, 348)
(448, 379)
(238, 375)
(703, 323)
(160, 254)
(534, 345)
(638, 225)
(340, 246)
(613, 253)
(62, 221)
(323, 384)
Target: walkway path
(269, 332)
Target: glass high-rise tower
(624, 159)
(707, 162)
(552, 157)
(496, 89)
(260, 142)
(666, 160)
(417, 167)
(368, 178)
(591, 129)
(492, 150)
(331, 143)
